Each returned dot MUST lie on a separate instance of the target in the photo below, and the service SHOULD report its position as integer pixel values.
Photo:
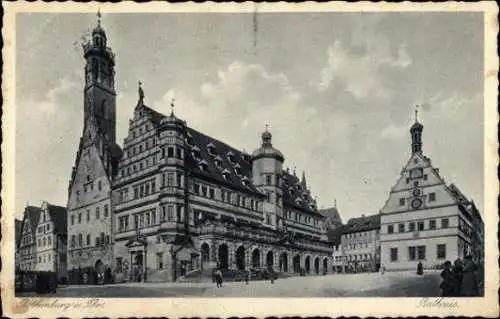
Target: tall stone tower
(267, 165)
(90, 224)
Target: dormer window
(313, 206)
(230, 157)
(218, 161)
(237, 169)
(211, 149)
(189, 139)
(203, 165)
(292, 191)
(245, 181)
(304, 195)
(195, 151)
(226, 174)
(299, 188)
(298, 201)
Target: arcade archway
(270, 260)
(205, 253)
(240, 258)
(308, 264)
(223, 256)
(316, 265)
(284, 262)
(256, 258)
(296, 263)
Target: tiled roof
(59, 217)
(332, 213)
(293, 192)
(362, 224)
(199, 143)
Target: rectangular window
(401, 228)
(432, 197)
(204, 191)
(394, 254)
(441, 251)
(153, 216)
(420, 226)
(72, 219)
(147, 189)
(390, 229)
(97, 213)
(412, 253)
(106, 212)
(411, 226)
(88, 215)
(153, 187)
(170, 213)
(97, 242)
(212, 193)
(197, 189)
(432, 224)
(421, 252)
(88, 240)
(179, 153)
(401, 201)
(73, 240)
(80, 240)
(79, 218)
(170, 152)
(445, 223)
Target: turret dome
(267, 149)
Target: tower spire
(141, 94)
(99, 17)
(172, 106)
(303, 181)
(416, 134)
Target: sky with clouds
(338, 91)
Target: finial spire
(141, 93)
(267, 127)
(335, 203)
(172, 106)
(416, 112)
(99, 17)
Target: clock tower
(90, 217)
(99, 92)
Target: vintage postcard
(253, 159)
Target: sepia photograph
(248, 153)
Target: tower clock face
(416, 203)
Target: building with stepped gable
(424, 219)
(43, 239)
(175, 201)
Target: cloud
(360, 68)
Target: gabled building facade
(90, 249)
(424, 219)
(27, 242)
(360, 244)
(51, 240)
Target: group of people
(266, 275)
(461, 279)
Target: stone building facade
(177, 201)
(424, 219)
(184, 201)
(43, 240)
(27, 242)
(361, 244)
(90, 249)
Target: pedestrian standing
(247, 276)
(420, 268)
(458, 274)
(470, 284)
(218, 278)
(448, 280)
